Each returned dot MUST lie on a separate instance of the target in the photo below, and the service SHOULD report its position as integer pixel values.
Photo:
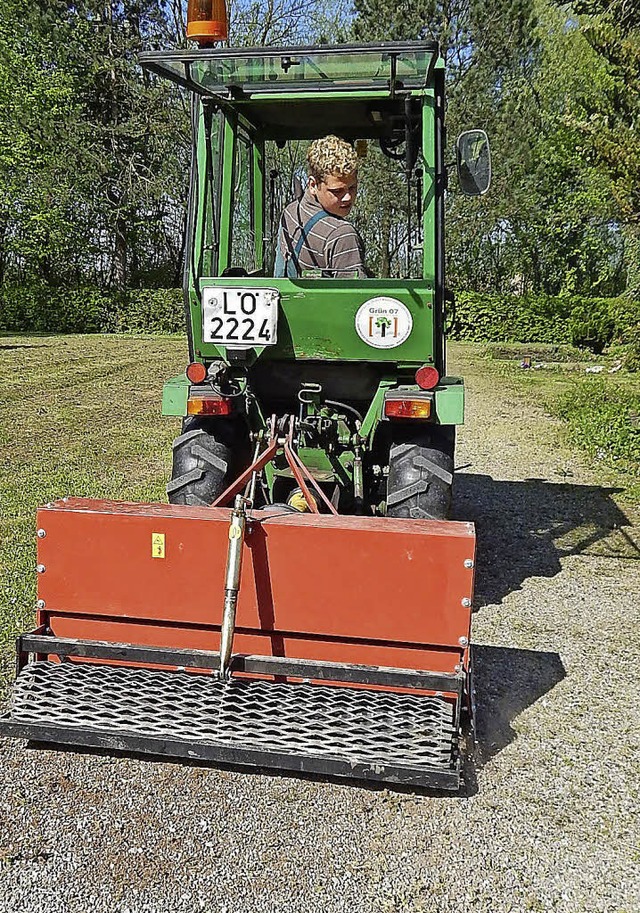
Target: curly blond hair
(331, 155)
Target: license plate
(239, 318)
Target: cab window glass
(243, 239)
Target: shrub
(626, 314)
(39, 308)
(591, 323)
(602, 417)
(631, 352)
(511, 318)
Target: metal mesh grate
(351, 724)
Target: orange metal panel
(400, 581)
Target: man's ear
(312, 185)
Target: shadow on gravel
(524, 528)
(507, 681)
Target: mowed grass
(79, 415)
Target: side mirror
(474, 162)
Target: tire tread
(420, 474)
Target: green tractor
(322, 624)
(358, 365)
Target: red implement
(344, 581)
(351, 647)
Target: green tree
(610, 132)
(88, 146)
(487, 49)
(565, 165)
(34, 101)
(133, 134)
(549, 222)
(268, 23)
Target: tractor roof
(297, 92)
(234, 73)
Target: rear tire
(202, 461)
(421, 473)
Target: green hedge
(591, 323)
(41, 309)
(511, 318)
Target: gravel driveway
(549, 817)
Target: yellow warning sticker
(157, 545)
(235, 532)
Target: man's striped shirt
(332, 247)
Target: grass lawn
(79, 415)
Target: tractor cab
(359, 352)
(258, 111)
(254, 112)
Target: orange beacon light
(207, 21)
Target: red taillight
(207, 21)
(196, 372)
(209, 405)
(427, 377)
(407, 408)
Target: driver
(315, 236)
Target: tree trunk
(385, 244)
(119, 271)
(631, 233)
(3, 250)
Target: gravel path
(548, 819)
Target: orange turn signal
(209, 405)
(207, 21)
(196, 372)
(407, 408)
